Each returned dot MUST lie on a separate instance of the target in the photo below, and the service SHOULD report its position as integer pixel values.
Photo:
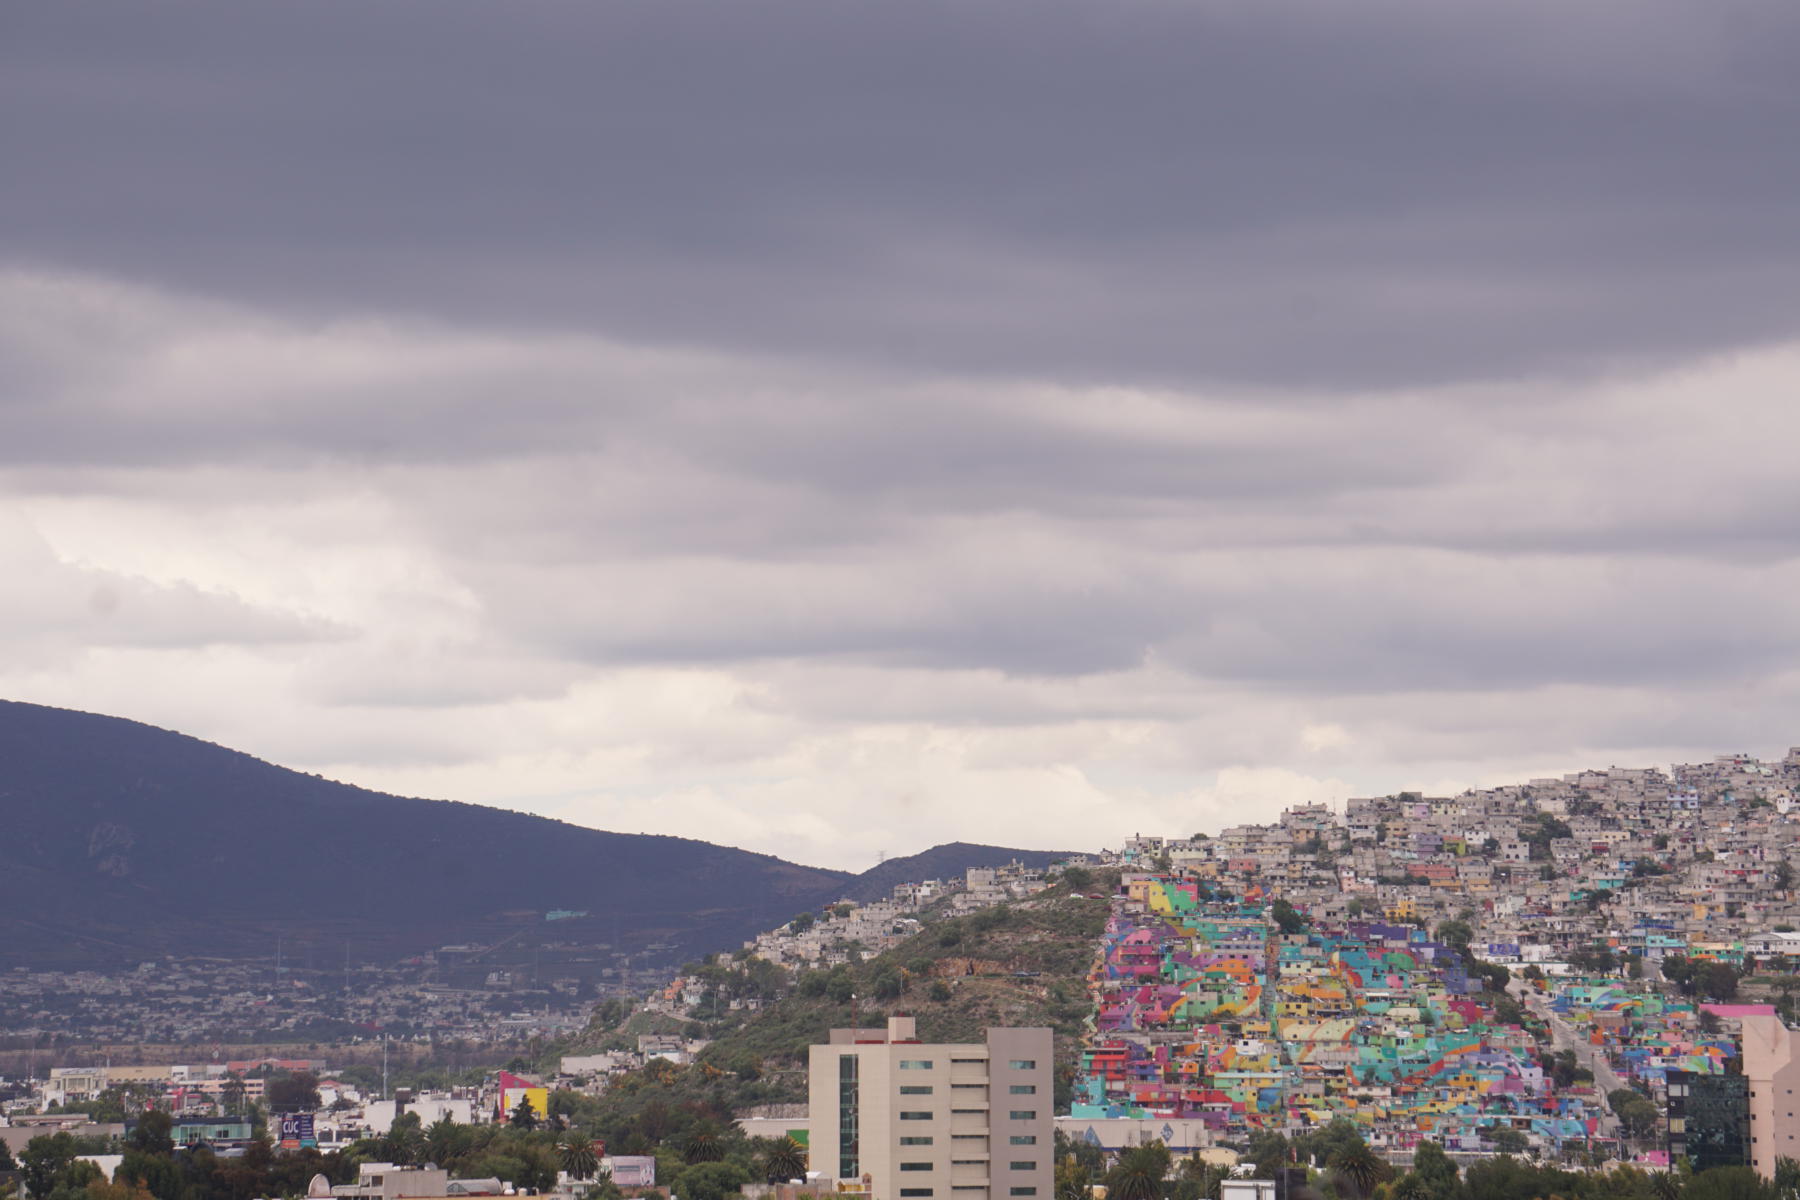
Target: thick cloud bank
(837, 430)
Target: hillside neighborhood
(1555, 970)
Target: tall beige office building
(1772, 1068)
(928, 1121)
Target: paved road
(1564, 1036)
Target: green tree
(524, 1116)
(1719, 981)
(711, 1181)
(1787, 1177)
(1139, 1174)
(153, 1133)
(1268, 1152)
(46, 1161)
(72, 1181)
(1510, 1141)
(1729, 1183)
(888, 983)
(445, 1141)
(576, 1156)
(1456, 934)
(1638, 1116)
(784, 1159)
(1073, 1180)
(404, 1142)
(1410, 1187)
(157, 1173)
(1360, 1168)
(1434, 1169)
(1286, 917)
(703, 1145)
(298, 1092)
(1199, 1179)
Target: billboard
(296, 1130)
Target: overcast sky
(836, 428)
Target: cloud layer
(838, 433)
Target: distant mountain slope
(123, 837)
(948, 861)
(121, 842)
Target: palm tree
(1140, 1174)
(1360, 1167)
(1410, 1187)
(784, 1160)
(403, 1144)
(1666, 1185)
(702, 1146)
(577, 1157)
(441, 1140)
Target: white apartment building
(895, 1118)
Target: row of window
(909, 1193)
(1015, 1165)
(926, 1064)
(1017, 1139)
(924, 1089)
(1017, 1114)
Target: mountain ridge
(125, 842)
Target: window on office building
(849, 1117)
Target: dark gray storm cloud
(1307, 192)
(902, 418)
